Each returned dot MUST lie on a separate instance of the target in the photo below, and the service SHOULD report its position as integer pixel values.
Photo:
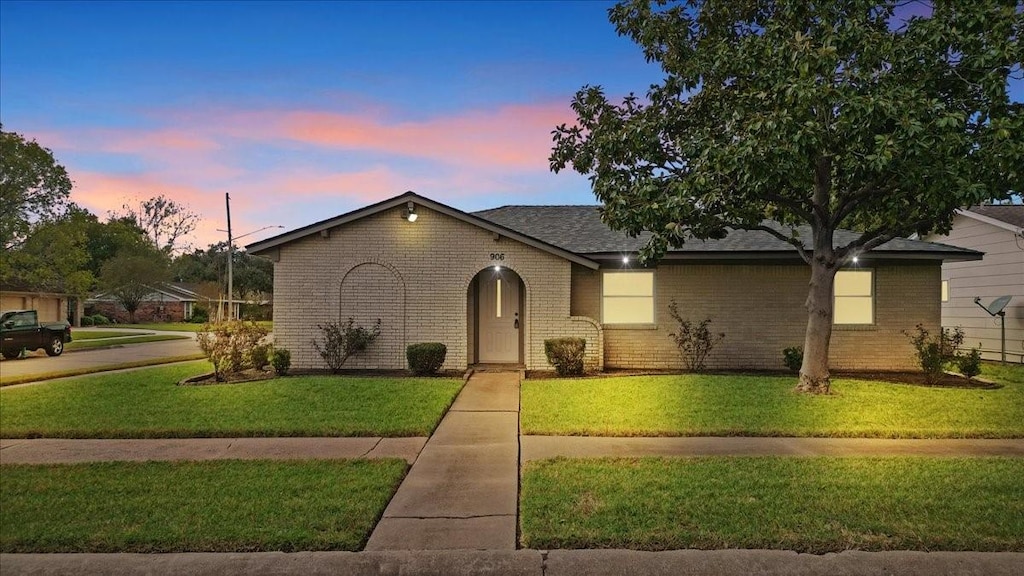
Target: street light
(231, 254)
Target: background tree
(131, 275)
(253, 275)
(165, 221)
(33, 187)
(815, 116)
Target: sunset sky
(302, 111)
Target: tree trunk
(814, 376)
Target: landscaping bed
(813, 505)
(221, 506)
(148, 404)
(758, 405)
(110, 343)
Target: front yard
(813, 505)
(755, 405)
(222, 506)
(147, 404)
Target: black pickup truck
(21, 330)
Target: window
(945, 290)
(627, 298)
(854, 297)
(188, 310)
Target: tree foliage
(132, 275)
(253, 275)
(33, 187)
(165, 221)
(797, 119)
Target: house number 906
(497, 256)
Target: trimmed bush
(970, 364)
(100, 320)
(200, 315)
(793, 358)
(259, 356)
(935, 352)
(426, 357)
(281, 360)
(87, 321)
(566, 354)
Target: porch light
(410, 212)
(856, 259)
(497, 268)
(625, 259)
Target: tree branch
(791, 240)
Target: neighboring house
(493, 285)
(51, 306)
(168, 302)
(998, 231)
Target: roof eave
(263, 246)
(989, 220)
(791, 255)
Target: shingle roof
(1012, 214)
(579, 229)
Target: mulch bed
(250, 375)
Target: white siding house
(998, 231)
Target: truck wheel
(12, 354)
(56, 346)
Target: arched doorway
(496, 301)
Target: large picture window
(854, 297)
(627, 298)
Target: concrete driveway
(39, 363)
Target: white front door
(499, 316)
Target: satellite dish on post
(997, 305)
(996, 309)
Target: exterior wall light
(856, 259)
(410, 212)
(497, 268)
(625, 259)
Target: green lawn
(80, 334)
(812, 505)
(77, 344)
(147, 404)
(21, 379)
(182, 326)
(219, 506)
(731, 405)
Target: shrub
(87, 321)
(970, 364)
(281, 360)
(934, 353)
(343, 340)
(694, 340)
(793, 358)
(100, 320)
(200, 315)
(259, 356)
(566, 354)
(426, 357)
(229, 345)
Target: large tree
(132, 275)
(166, 221)
(33, 187)
(817, 116)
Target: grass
(80, 334)
(25, 378)
(148, 404)
(814, 505)
(731, 405)
(219, 506)
(182, 326)
(103, 342)
(1003, 373)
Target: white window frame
(872, 296)
(652, 297)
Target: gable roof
(167, 289)
(1006, 216)
(397, 201)
(577, 234)
(579, 229)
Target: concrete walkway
(462, 492)
(525, 563)
(61, 451)
(541, 447)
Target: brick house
(167, 302)
(493, 285)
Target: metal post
(231, 256)
(1002, 329)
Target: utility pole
(231, 256)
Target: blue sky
(307, 110)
